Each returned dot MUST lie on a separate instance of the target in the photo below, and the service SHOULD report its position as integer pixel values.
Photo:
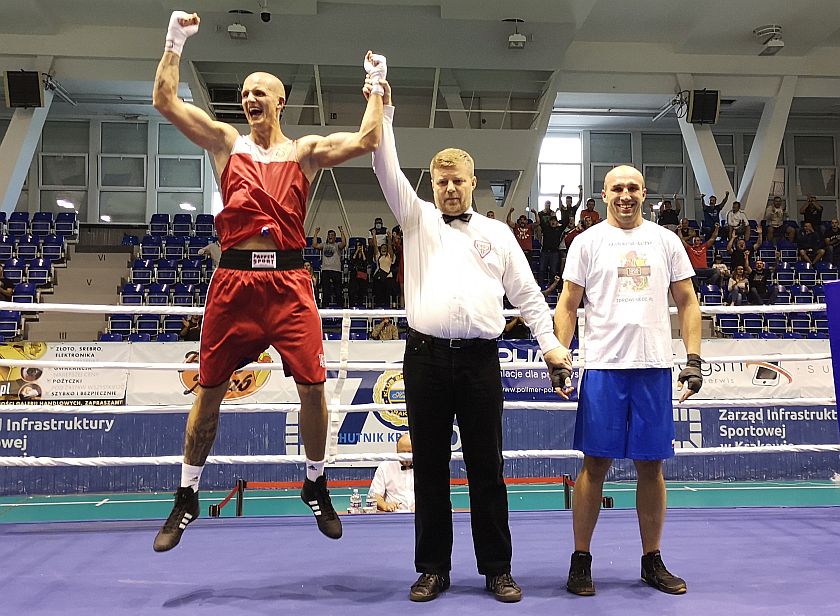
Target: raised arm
(342, 242)
(508, 219)
(720, 204)
(215, 137)
(317, 244)
(677, 204)
(323, 152)
(580, 196)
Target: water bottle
(355, 501)
(370, 503)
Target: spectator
(761, 287)
(669, 215)
(331, 269)
(516, 329)
(191, 328)
(582, 226)
(566, 210)
(358, 287)
(398, 288)
(738, 248)
(736, 219)
(313, 279)
(698, 254)
(774, 217)
(720, 274)
(810, 244)
(393, 482)
(685, 231)
(523, 230)
(552, 233)
(491, 214)
(385, 330)
(711, 211)
(590, 213)
(7, 287)
(383, 275)
(551, 287)
(379, 232)
(812, 211)
(832, 242)
(739, 287)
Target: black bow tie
(465, 217)
(406, 467)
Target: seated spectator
(762, 291)
(7, 287)
(698, 255)
(393, 482)
(711, 211)
(739, 287)
(590, 213)
(579, 228)
(775, 215)
(832, 242)
(358, 267)
(812, 211)
(191, 328)
(331, 267)
(308, 267)
(385, 330)
(523, 229)
(515, 329)
(669, 214)
(789, 242)
(736, 219)
(685, 231)
(720, 273)
(810, 244)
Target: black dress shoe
(428, 586)
(503, 587)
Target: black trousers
(442, 383)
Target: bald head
(266, 80)
(404, 443)
(263, 98)
(624, 171)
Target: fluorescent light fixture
(105, 218)
(64, 203)
(189, 207)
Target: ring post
(832, 311)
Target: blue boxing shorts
(626, 414)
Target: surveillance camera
(517, 41)
(265, 16)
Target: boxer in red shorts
(260, 295)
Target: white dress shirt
(457, 274)
(394, 485)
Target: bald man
(623, 271)
(393, 482)
(260, 294)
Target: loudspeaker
(23, 89)
(703, 106)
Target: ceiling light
(516, 40)
(770, 36)
(64, 203)
(105, 218)
(187, 206)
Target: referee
(458, 267)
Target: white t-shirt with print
(626, 274)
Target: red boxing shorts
(248, 310)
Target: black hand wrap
(559, 377)
(691, 375)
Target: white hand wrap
(377, 69)
(176, 34)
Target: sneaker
(580, 575)
(184, 512)
(317, 497)
(428, 586)
(657, 575)
(503, 587)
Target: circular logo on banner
(390, 389)
(243, 383)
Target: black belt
(256, 260)
(452, 343)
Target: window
(817, 181)
(560, 165)
(726, 147)
(662, 149)
(122, 207)
(610, 148)
(813, 150)
(748, 141)
(125, 138)
(180, 173)
(180, 202)
(663, 180)
(63, 170)
(172, 141)
(65, 201)
(120, 171)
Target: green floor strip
(528, 497)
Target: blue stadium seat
(157, 294)
(820, 321)
(782, 294)
(205, 225)
(776, 323)
(42, 223)
(147, 324)
(805, 273)
(159, 224)
(827, 272)
(166, 271)
(168, 337)
(172, 324)
(819, 293)
(785, 274)
(142, 271)
(194, 244)
(800, 322)
(9, 324)
(7, 247)
(139, 337)
(191, 272)
(151, 247)
(174, 247)
(183, 294)
(18, 223)
(14, 270)
(110, 337)
(201, 293)
(711, 295)
(752, 323)
(27, 247)
(67, 224)
(120, 324)
(801, 294)
(728, 324)
(182, 224)
(40, 272)
(132, 294)
(53, 248)
(130, 240)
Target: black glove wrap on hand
(691, 376)
(559, 377)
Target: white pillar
(761, 164)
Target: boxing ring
(744, 561)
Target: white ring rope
(381, 457)
(292, 407)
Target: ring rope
(517, 405)
(383, 457)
